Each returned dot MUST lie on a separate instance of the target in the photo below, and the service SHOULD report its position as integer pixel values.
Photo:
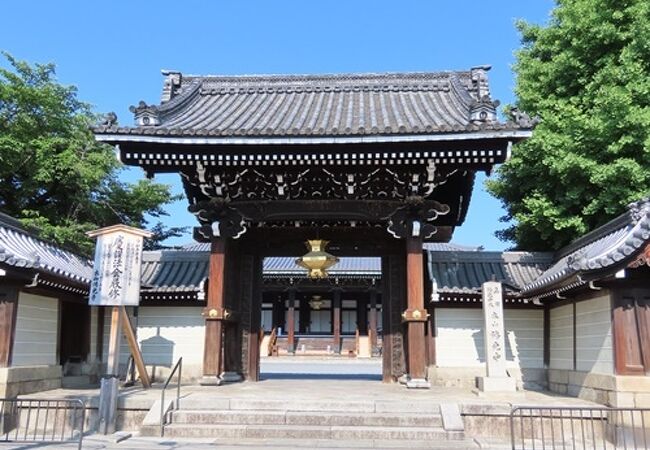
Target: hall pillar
(372, 321)
(304, 315)
(336, 320)
(291, 323)
(415, 315)
(362, 316)
(278, 314)
(214, 314)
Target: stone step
(228, 431)
(305, 418)
(197, 402)
(76, 381)
(464, 444)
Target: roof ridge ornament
(484, 110)
(639, 209)
(480, 80)
(522, 119)
(109, 120)
(171, 85)
(145, 115)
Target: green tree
(53, 174)
(586, 75)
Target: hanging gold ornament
(317, 261)
(316, 302)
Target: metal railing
(33, 420)
(179, 367)
(579, 428)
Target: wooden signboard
(116, 283)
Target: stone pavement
(99, 442)
(297, 384)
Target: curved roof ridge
(607, 248)
(347, 76)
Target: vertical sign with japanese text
(495, 357)
(118, 262)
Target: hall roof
(21, 248)
(455, 274)
(241, 109)
(185, 269)
(598, 254)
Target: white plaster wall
(36, 330)
(459, 342)
(525, 337)
(594, 351)
(165, 334)
(561, 337)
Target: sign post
(116, 283)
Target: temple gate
(376, 164)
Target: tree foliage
(53, 174)
(586, 75)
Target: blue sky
(114, 51)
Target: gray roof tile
(23, 249)
(606, 249)
(463, 272)
(318, 105)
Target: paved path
(305, 368)
(99, 442)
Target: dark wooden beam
(362, 315)
(304, 314)
(336, 320)
(8, 312)
(372, 320)
(431, 336)
(291, 322)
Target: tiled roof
(174, 271)
(604, 251)
(450, 247)
(185, 270)
(463, 272)
(346, 266)
(22, 249)
(267, 106)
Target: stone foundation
(610, 390)
(24, 380)
(465, 377)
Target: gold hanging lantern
(317, 261)
(316, 302)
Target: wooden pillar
(278, 314)
(215, 311)
(291, 323)
(107, 408)
(251, 295)
(372, 320)
(415, 314)
(393, 301)
(304, 315)
(8, 311)
(431, 337)
(362, 315)
(336, 321)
